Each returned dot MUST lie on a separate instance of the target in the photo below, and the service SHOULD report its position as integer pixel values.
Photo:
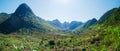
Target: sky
(63, 10)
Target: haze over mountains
(66, 25)
(24, 18)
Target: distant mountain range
(65, 25)
(24, 19)
(86, 25)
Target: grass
(106, 39)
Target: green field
(107, 40)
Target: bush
(51, 42)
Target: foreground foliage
(101, 39)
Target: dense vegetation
(101, 35)
(106, 40)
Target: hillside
(74, 24)
(85, 26)
(105, 33)
(114, 18)
(3, 17)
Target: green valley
(24, 31)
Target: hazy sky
(64, 10)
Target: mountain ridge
(23, 17)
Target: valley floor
(61, 42)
